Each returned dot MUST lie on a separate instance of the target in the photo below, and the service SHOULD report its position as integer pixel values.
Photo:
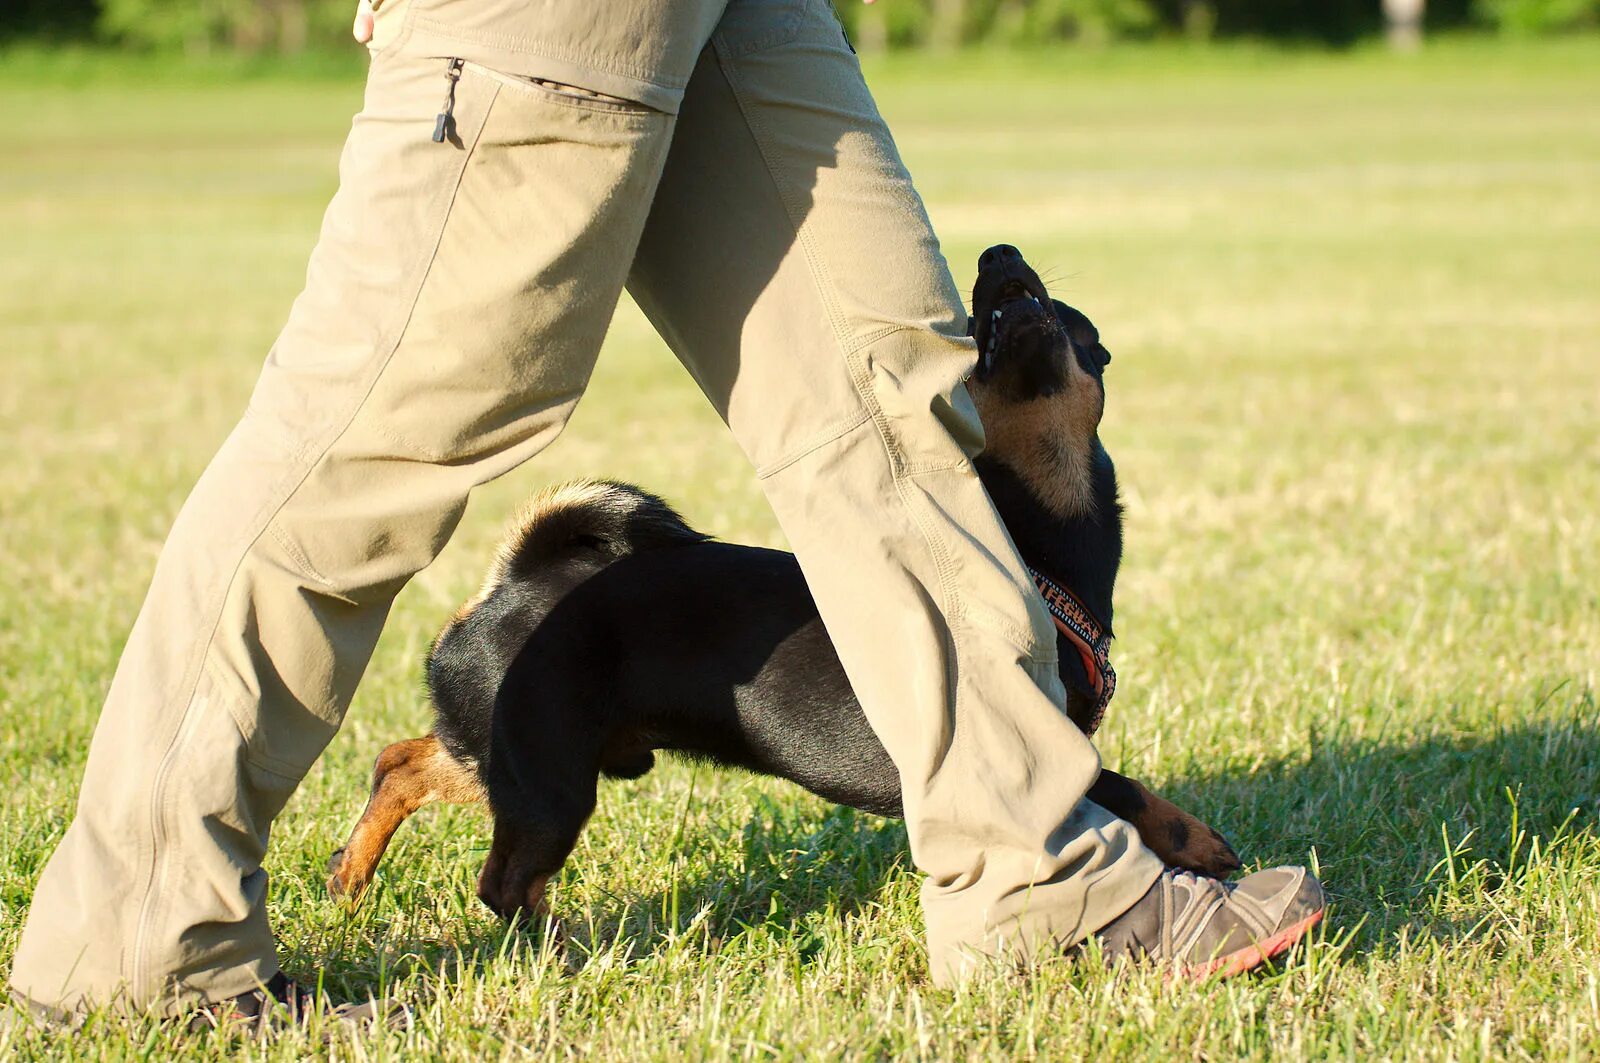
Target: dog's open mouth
(1020, 306)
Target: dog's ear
(1084, 335)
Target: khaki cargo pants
(455, 304)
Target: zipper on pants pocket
(444, 126)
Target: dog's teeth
(994, 338)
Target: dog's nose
(1000, 256)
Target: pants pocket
(750, 26)
(561, 92)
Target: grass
(1356, 410)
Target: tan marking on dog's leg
(407, 776)
(535, 902)
(1182, 840)
(536, 913)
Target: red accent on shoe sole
(1252, 956)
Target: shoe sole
(1252, 956)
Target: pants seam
(952, 606)
(159, 810)
(254, 757)
(836, 431)
(1024, 640)
(296, 555)
(869, 338)
(272, 766)
(820, 277)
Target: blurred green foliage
(48, 20)
(286, 26)
(1528, 17)
(290, 26)
(913, 23)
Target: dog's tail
(601, 519)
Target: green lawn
(1355, 307)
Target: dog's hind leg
(1178, 838)
(407, 776)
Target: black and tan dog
(608, 629)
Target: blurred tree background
(292, 26)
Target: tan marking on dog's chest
(1048, 442)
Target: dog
(609, 629)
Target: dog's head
(1039, 384)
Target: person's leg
(790, 264)
(452, 313)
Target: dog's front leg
(1178, 838)
(407, 776)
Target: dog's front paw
(1184, 841)
(345, 883)
(336, 885)
(1206, 853)
(511, 884)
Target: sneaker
(280, 1004)
(22, 1015)
(1204, 927)
(283, 1004)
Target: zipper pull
(444, 127)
